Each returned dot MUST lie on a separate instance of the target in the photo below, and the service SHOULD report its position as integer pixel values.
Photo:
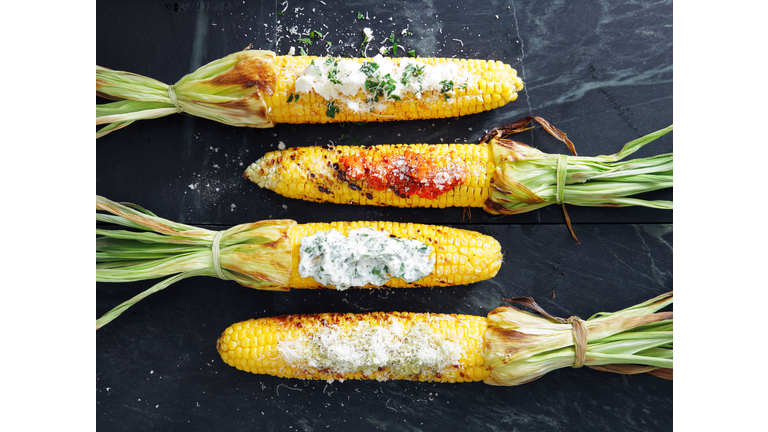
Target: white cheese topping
(380, 81)
(365, 256)
(366, 348)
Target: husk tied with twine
(521, 347)
(527, 179)
(229, 90)
(256, 255)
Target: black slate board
(601, 73)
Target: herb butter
(366, 256)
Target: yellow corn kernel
(460, 339)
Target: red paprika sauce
(406, 174)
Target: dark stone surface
(600, 72)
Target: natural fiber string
(172, 95)
(562, 171)
(579, 340)
(216, 250)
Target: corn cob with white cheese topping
(256, 88)
(508, 347)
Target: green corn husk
(227, 90)
(521, 347)
(527, 179)
(256, 255)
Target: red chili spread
(406, 174)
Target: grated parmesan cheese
(367, 348)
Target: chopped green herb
(392, 37)
(446, 96)
(446, 86)
(376, 271)
(332, 109)
(302, 52)
(305, 40)
(394, 48)
(290, 98)
(333, 76)
(360, 16)
(412, 53)
(343, 137)
(369, 68)
(412, 72)
(329, 43)
(281, 14)
(314, 33)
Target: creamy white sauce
(365, 256)
(380, 80)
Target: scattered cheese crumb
(292, 51)
(281, 145)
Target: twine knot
(579, 340)
(216, 250)
(174, 101)
(562, 171)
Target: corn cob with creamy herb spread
(259, 89)
(508, 347)
(281, 254)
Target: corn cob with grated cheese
(501, 175)
(268, 255)
(256, 88)
(508, 347)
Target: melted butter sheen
(365, 256)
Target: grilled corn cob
(256, 88)
(268, 254)
(498, 174)
(508, 347)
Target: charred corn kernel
(446, 271)
(417, 175)
(405, 346)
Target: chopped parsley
(302, 51)
(332, 109)
(305, 40)
(382, 88)
(369, 68)
(293, 98)
(281, 14)
(411, 73)
(360, 16)
(412, 53)
(446, 86)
